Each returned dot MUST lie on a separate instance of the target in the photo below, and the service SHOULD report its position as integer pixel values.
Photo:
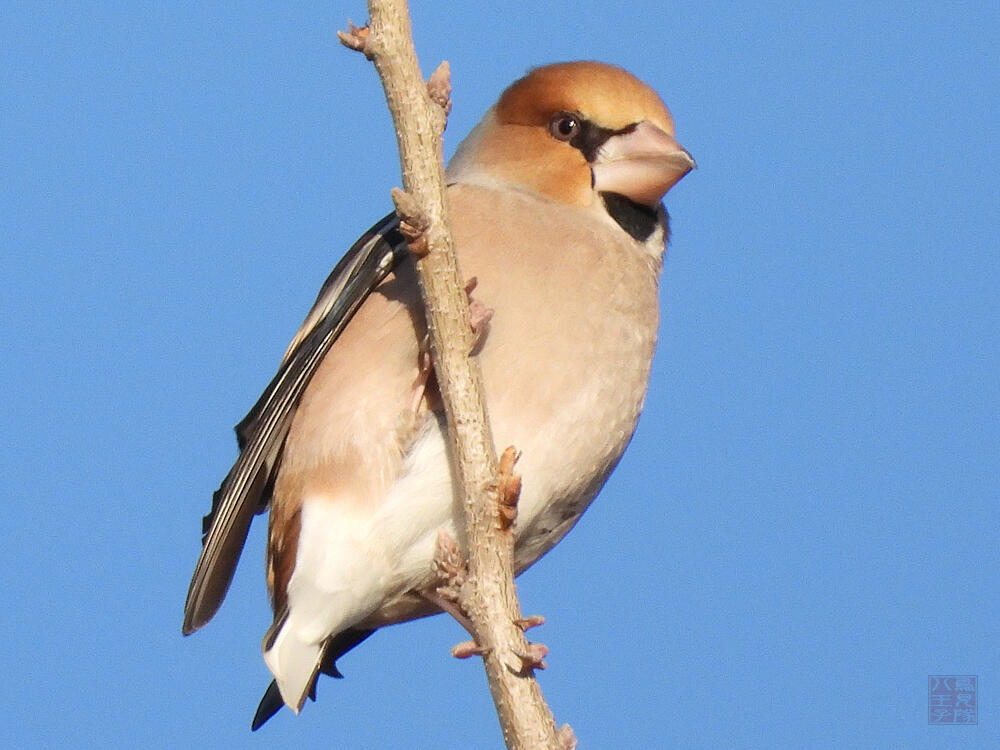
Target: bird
(556, 206)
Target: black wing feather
(261, 434)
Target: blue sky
(805, 526)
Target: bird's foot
(449, 566)
(508, 487)
(424, 370)
(479, 316)
(450, 573)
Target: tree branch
(487, 595)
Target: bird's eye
(564, 126)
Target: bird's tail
(335, 647)
(295, 663)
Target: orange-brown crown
(607, 95)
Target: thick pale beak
(642, 164)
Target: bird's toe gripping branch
(450, 570)
(479, 316)
(450, 573)
(508, 488)
(479, 321)
(449, 567)
(425, 368)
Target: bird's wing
(261, 434)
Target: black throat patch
(638, 220)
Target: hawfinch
(555, 207)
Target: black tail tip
(270, 704)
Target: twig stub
(439, 87)
(356, 38)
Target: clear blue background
(805, 525)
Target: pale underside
(364, 483)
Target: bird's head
(575, 132)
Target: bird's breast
(567, 358)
